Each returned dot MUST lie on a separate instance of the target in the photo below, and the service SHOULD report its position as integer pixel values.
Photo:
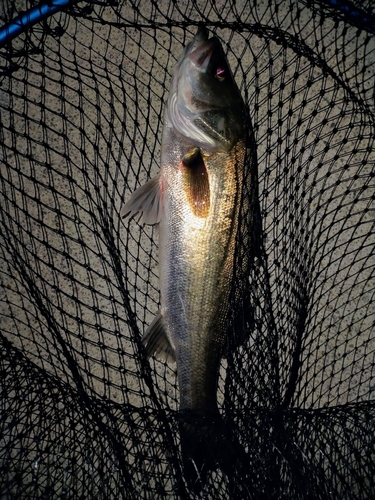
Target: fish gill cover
(84, 413)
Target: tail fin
(197, 432)
(206, 445)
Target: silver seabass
(195, 201)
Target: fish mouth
(201, 54)
(200, 37)
(202, 48)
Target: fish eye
(220, 74)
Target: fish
(195, 202)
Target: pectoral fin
(156, 340)
(197, 185)
(146, 201)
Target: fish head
(205, 105)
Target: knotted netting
(84, 414)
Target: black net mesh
(83, 413)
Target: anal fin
(156, 340)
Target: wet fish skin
(195, 201)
